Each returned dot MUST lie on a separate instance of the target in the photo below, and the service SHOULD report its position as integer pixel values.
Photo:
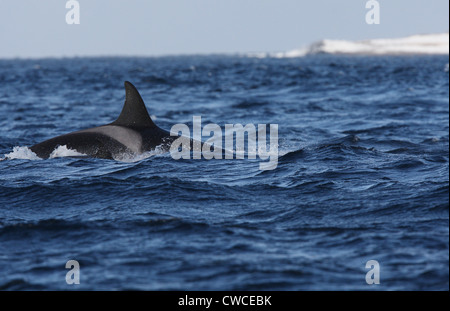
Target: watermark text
(373, 15)
(214, 147)
(73, 15)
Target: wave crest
(23, 153)
(63, 151)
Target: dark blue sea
(363, 174)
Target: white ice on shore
(416, 44)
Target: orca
(134, 132)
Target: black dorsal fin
(134, 113)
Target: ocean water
(363, 174)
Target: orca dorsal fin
(134, 113)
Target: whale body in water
(134, 132)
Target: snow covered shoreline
(416, 44)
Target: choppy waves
(362, 174)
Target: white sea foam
(23, 153)
(133, 157)
(63, 151)
(417, 44)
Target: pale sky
(31, 28)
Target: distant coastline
(425, 44)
